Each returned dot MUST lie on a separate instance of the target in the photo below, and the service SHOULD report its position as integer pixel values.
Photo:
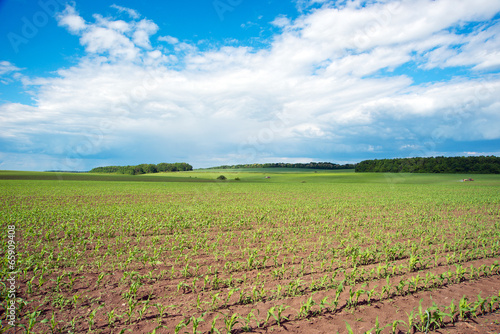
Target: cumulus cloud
(281, 21)
(168, 39)
(9, 72)
(117, 38)
(71, 20)
(303, 5)
(131, 12)
(7, 67)
(326, 84)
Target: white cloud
(303, 5)
(131, 12)
(70, 19)
(7, 67)
(168, 39)
(144, 29)
(119, 39)
(281, 21)
(101, 40)
(318, 86)
(9, 72)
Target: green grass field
(277, 175)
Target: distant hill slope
(144, 168)
(310, 165)
(475, 165)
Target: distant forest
(144, 168)
(475, 165)
(310, 165)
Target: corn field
(376, 254)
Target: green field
(277, 175)
(102, 253)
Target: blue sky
(94, 83)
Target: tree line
(144, 168)
(476, 165)
(311, 165)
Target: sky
(216, 82)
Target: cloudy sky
(211, 82)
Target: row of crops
(230, 257)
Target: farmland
(300, 251)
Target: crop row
(435, 317)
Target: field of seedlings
(274, 251)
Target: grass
(258, 175)
(55, 176)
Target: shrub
(221, 177)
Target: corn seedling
(377, 329)
(305, 308)
(196, 322)
(230, 321)
(91, 317)
(278, 316)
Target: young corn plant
(183, 323)
(394, 325)
(58, 280)
(245, 321)
(334, 304)
(54, 324)
(414, 263)
(387, 288)
(215, 300)
(400, 287)
(32, 320)
(231, 321)
(72, 324)
(464, 308)
(491, 304)
(143, 310)
(99, 279)
(452, 312)
(305, 309)
(196, 322)
(132, 304)
(186, 288)
(230, 293)
(111, 318)
(91, 317)
(29, 285)
(213, 329)
(270, 313)
(377, 329)
(256, 318)
(480, 305)
(322, 304)
(350, 301)
(369, 295)
(161, 311)
(357, 294)
(460, 273)
(430, 318)
(278, 315)
(348, 328)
